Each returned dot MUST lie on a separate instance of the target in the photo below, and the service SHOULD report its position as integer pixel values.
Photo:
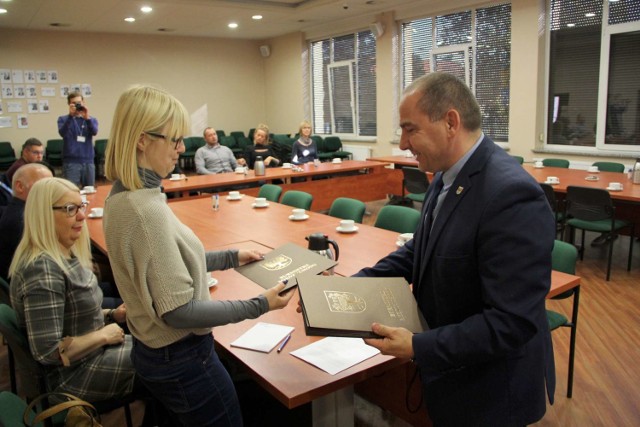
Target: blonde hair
(304, 124)
(264, 128)
(40, 236)
(140, 109)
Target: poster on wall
(43, 105)
(23, 122)
(18, 91)
(7, 91)
(86, 90)
(53, 76)
(32, 106)
(29, 76)
(41, 76)
(47, 91)
(31, 91)
(64, 91)
(5, 75)
(14, 106)
(17, 76)
(5, 122)
(75, 87)
(1, 108)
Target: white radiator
(359, 153)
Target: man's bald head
(26, 176)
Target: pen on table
(286, 340)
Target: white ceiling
(201, 18)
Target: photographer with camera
(77, 129)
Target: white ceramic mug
(405, 237)
(175, 176)
(593, 169)
(234, 194)
(261, 201)
(539, 164)
(553, 180)
(336, 160)
(286, 165)
(347, 224)
(97, 211)
(89, 188)
(240, 169)
(297, 213)
(615, 185)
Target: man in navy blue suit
(480, 265)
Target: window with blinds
(343, 85)
(474, 45)
(592, 104)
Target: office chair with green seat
(12, 409)
(415, 182)
(53, 152)
(519, 159)
(555, 207)
(230, 142)
(398, 218)
(556, 163)
(563, 258)
(333, 147)
(7, 155)
(5, 298)
(186, 158)
(609, 166)
(271, 192)
(100, 149)
(297, 199)
(591, 209)
(347, 208)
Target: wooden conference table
(292, 381)
(345, 179)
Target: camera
(79, 106)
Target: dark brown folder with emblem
(289, 262)
(347, 306)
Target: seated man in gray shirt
(215, 158)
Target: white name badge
(81, 138)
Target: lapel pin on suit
(459, 190)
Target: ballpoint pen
(286, 340)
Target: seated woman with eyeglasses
(58, 302)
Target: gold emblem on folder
(345, 302)
(277, 263)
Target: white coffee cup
(261, 201)
(593, 169)
(615, 185)
(175, 176)
(234, 194)
(298, 213)
(347, 224)
(84, 198)
(240, 169)
(539, 164)
(286, 165)
(553, 180)
(316, 162)
(89, 188)
(336, 160)
(97, 211)
(405, 237)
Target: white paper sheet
(335, 354)
(263, 337)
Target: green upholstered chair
(519, 159)
(5, 298)
(220, 133)
(556, 163)
(230, 142)
(332, 148)
(297, 199)
(415, 182)
(186, 158)
(563, 258)
(53, 152)
(609, 166)
(271, 192)
(400, 219)
(100, 149)
(12, 408)
(347, 208)
(591, 209)
(555, 207)
(7, 155)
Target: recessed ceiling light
(3, 10)
(130, 19)
(146, 9)
(232, 25)
(256, 17)
(590, 15)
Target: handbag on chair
(80, 413)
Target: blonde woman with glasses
(161, 267)
(58, 302)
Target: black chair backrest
(414, 180)
(551, 196)
(589, 204)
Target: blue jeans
(188, 378)
(80, 174)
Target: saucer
(176, 179)
(614, 189)
(287, 167)
(539, 167)
(342, 230)
(233, 199)
(212, 282)
(292, 218)
(240, 172)
(88, 192)
(551, 183)
(92, 215)
(253, 205)
(592, 178)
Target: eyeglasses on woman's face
(176, 141)
(71, 209)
